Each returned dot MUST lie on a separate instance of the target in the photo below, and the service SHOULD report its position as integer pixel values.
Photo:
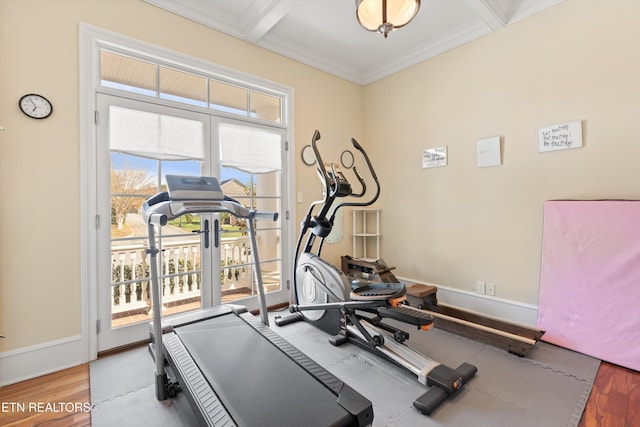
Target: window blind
(250, 149)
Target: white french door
(138, 144)
(253, 171)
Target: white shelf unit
(366, 233)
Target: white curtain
(155, 136)
(250, 149)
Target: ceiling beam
(269, 17)
(489, 13)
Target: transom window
(149, 78)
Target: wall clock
(35, 106)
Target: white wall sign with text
(562, 136)
(434, 157)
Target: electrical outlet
(480, 288)
(491, 289)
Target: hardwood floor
(614, 400)
(61, 399)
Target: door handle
(205, 231)
(216, 234)
(206, 234)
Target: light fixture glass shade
(384, 16)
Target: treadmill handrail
(172, 209)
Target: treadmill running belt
(255, 380)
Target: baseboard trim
(500, 308)
(33, 361)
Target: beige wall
(454, 225)
(459, 224)
(39, 160)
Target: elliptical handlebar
(363, 184)
(358, 147)
(330, 181)
(364, 154)
(321, 169)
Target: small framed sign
(434, 157)
(562, 136)
(488, 152)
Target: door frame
(91, 39)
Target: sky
(183, 167)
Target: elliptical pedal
(378, 291)
(407, 315)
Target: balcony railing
(181, 276)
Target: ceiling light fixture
(384, 16)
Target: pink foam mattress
(590, 278)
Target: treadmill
(232, 368)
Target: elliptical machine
(356, 313)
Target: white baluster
(121, 297)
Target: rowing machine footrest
(451, 380)
(406, 315)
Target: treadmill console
(194, 188)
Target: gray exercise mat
(550, 387)
(123, 394)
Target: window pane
(183, 87)
(133, 180)
(265, 107)
(129, 189)
(271, 277)
(130, 285)
(236, 275)
(125, 73)
(235, 183)
(226, 97)
(185, 167)
(268, 185)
